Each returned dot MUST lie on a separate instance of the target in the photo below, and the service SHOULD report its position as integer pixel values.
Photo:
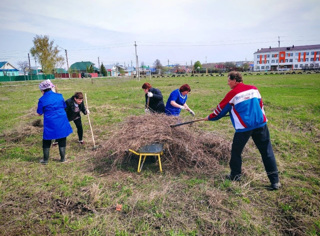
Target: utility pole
(67, 62)
(29, 65)
(99, 65)
(137, 62)
(278, 52)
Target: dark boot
(62, 151)
(45, 159)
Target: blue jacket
(244, 103)
(178, 98)
(55, 121)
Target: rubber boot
(45, 159)
(62, 151)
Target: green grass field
(74, 199)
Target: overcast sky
(178, 31)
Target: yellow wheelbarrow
(149, 150)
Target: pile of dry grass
(186, 148)
(23, 131)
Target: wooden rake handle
(189, 122)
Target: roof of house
(110, 67)
(2, 63)
(6, 66)
(60, 70)
(83, 65)
(295, 48)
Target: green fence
(25, 77)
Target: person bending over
(75, 105)
(177, 101)
(154, 99)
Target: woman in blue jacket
(55, 121)
(177, 101)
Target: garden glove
(182, 108)
(150, 95)
(146, 111)
(192, 112)
(88, 112)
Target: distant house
(130, 71)
(35, 70)
(6, 69)
(112, 70)
(60, 70)
(82, 66)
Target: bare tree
(24, 66)
(157, 64)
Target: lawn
(78, 199)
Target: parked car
(86, 75)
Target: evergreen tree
(103, 70)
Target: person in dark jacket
(154, 99)
(55, 121)
(75, 105)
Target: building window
(267, 67)
(311, 59)
(296, 66)
(301, 65)
(277, 61)
(290, 60)
(286, 60)
(272, 61)
(267, 62)
(262, 67)
(307, 53)
(316, 65)
(257, 67)
(312, 53)
(258, 56)
(307, 59)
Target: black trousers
(78, 124)
(261, 138)
(47, 143)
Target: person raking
(75, 105)
(244, 103)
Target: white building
(287, 58)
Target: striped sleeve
(223, 108)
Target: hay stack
(185, 147)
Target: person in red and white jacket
(245, 106)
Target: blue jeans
(261, 138)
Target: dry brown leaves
(186, 148)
